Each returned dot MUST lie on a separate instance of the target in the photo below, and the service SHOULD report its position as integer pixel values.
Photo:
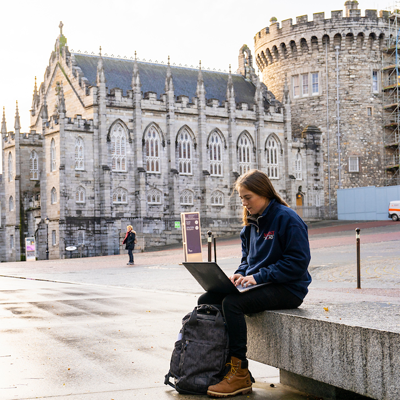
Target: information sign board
(30, 248)
(191, 236)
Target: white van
(394, 210)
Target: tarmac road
(97, 329)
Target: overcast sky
(208, 30)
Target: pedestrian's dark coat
(129, 241)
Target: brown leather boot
(237, 381)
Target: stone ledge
(352, 346)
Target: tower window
(375, 85)
(304, 85)
(298, 167)
(53, 196)
(53, 162)
(33, 163)
(354, 164)
(10, 167)
(79, 165)
(296, 86)
(315, 83)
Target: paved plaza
(95, 328)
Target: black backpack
(201, 351)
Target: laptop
(213, 279)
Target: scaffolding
(391, 100)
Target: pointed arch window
(53, 196)
(271, 154)
(120, 196)
(154, 196)
(80, 196)
(11, 204)
(244, 153)
(10, 167)
(79, 155)
(53, 162)
(298, 167)
(152, 143)
(118, 148)
(34, 166)
(186, 198)
(217, 198)
(215, 151)
(185, 150)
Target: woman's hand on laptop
(245, 281)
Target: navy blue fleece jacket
(275, 249)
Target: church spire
(200, 90)
(169, 84)
(136, 76)
(230, 90)
(35, 96)
(100, 70)
(3, 123)
(17, 125)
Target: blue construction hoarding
(366, 203)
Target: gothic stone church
(114, 142)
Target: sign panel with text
(30, 246)
(191, 236)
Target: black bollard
(209, 240)
(215, 250)
(358, 258)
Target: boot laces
(233, 370)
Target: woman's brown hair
(258, 182)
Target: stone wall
(309, 47)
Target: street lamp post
(47, 242)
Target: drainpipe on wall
(327, 129)
(338, 117)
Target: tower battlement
(349, 30)
(286, 27)
(79, 124)
(31, 138)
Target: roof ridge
(144, 61)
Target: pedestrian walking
(275, 250)
(130, 241)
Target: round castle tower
(344, 104)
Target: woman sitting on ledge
(275, 250)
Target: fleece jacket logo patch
(269, 236)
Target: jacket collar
(255, 219)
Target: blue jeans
(130, 256)
(235, 306)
